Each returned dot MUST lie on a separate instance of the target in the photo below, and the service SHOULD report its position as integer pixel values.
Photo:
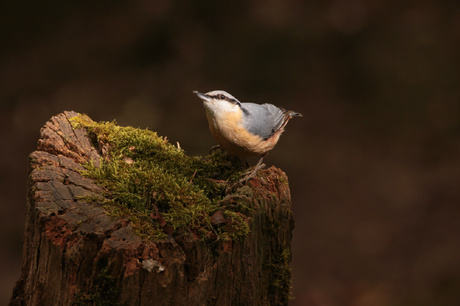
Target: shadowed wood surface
(74, 253)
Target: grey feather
(263, 119)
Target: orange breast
(235, 139)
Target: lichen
(160, 189)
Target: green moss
(103, 291)
(158, 187)
(281, 275)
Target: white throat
(220, 108)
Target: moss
(103, 291)
(280, 283)
(158, 187)
(283, 180)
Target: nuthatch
(244, 129)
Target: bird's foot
(251, 173)
(214, 148)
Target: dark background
(374, 165)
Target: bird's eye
(222, 97)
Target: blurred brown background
(374, 165)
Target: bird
(244, 129)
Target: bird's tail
(287, 116)
(294, 114)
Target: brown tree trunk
(74, 253)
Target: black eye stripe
(225, 98)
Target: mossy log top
(118, 216)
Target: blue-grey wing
(263, 119)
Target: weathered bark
(75, 253)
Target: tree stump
(76, 254)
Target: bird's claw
(214, 148)
(251, 173)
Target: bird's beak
(202, 96)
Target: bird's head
(219, 101)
